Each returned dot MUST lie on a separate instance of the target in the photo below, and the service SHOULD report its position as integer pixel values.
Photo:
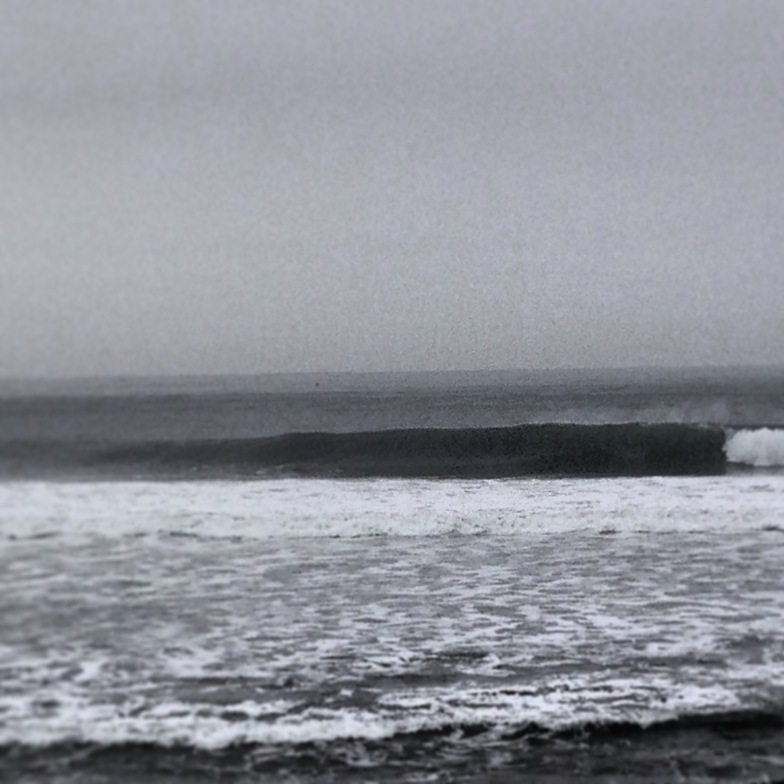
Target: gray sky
(205, 187)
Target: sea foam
(296, 508)
(762, 448)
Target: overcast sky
(298, 185)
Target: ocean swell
(524, 450)
(568, 450)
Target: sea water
(288, 627)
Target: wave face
(524, 450)
(515, 451)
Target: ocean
(552, 576)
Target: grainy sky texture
(284, 185)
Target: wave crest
(761, 448)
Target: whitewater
(760, 448)
(75, 512)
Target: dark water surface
(246, 426)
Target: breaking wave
(761, 448)
(633, 449)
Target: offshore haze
(254, 188)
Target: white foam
(168, 638)
(295, 508)
(763, 448)
(558, 703)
